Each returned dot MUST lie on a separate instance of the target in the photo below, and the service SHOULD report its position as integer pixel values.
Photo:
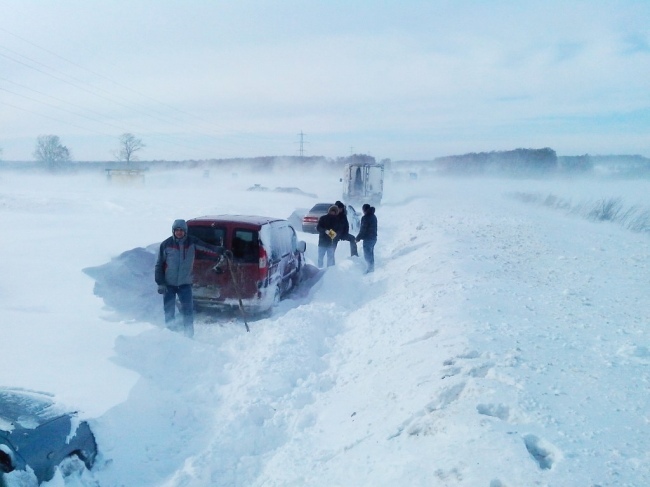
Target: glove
(331, 233)
(162, 289)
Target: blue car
(36, 433)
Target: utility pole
(302, 144)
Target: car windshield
(25, 410)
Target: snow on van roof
(250, 219)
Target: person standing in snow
(343, 230)
(173, 272)
(327, 228)
(368, 233)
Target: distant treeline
(613, 165)
(518, 161)
(515, 163)
(255, 164)
(529, 162)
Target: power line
(76, 85)
(156, 115)
(59, 108)
(98, 75)
(165, 137)
(94, 93)
(121, 128)
(51, 118)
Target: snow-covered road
(498, 343)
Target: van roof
(248, 219)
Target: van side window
(276, 251)
(284, 241)
(287, 240)
(245, 245)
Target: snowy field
(500, 343)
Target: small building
(126, 175)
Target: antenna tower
(302, 144)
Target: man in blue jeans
(326, 228)
(173, 272)
(368, 233)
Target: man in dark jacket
(173, 272)
(343, 230)
(368, 233)
(327, 231)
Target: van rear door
(205, 273)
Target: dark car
(267, 261)
(310, 220)
(36, 433)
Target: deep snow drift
(499, 343)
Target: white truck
(363, 183)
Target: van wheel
(277, 296)
(6, 464)
(73, 464)
(86, 456)
(295, 280)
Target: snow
(499, 342)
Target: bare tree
(129, 145)
(50, 151)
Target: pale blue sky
(394, 79)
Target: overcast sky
(394, 79)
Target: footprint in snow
(543, 452)
(500, 411)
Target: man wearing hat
(343, 230)
(326, 228)
(368, 233)
(173, 272)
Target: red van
(268, 261)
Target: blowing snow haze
(501, 341)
